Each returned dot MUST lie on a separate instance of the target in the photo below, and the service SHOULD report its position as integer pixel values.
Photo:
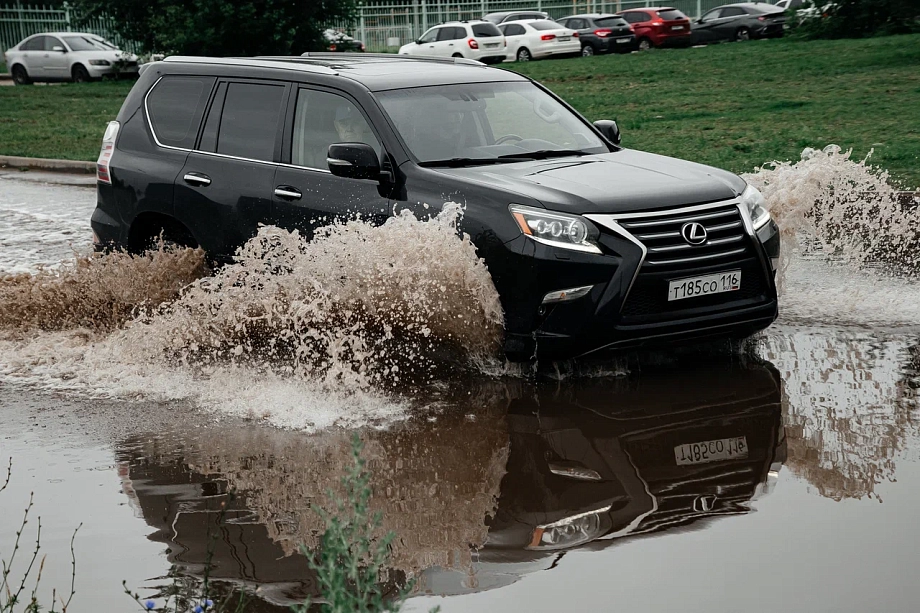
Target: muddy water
(813, 511)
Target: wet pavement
(783, 478)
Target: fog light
(565, 295)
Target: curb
(5, 76)
(12, 161)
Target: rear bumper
(611, 44)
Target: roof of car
(590, 16)
(497, 13)
(757, 5)
(377, 72)
(649, 8)
(64, 34)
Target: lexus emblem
(694, 233)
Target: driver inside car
(352, 127)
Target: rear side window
(34, 44)
(577, 24)
(611, 22)
(485, 30)
(250, 120)
(514, 29)
(671, 15)
(732, 11)
(544, 24)
(638, 17)
(175, 106)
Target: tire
(523, 55)
(587, 51)
(80, 74)
(742, 34)
(644, 44)
(20, 76)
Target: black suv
(602, 33)
(589, 245)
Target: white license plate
(677, 27)
(623, 40)
(711, 451)
(491, 45)
(564, 39)
(703, 286)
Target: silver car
(67, 56)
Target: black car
(607, 33)
(590, 245)
(742, 21)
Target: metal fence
(18, 21)
(384, 25)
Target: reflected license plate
(491, 45)
(623, 40)
(677, 27)
(564, 39)
(711, 451)
(703, 286)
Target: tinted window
(430, 36)
(250, 120)
(714, 14)
(212, 123)
(545, 24)
(451, 33)
(611, 22)
(577, 24)
(175, 106)
(321, 119)
(485, 29)
(732, 11)
(51, 42)
(34, 44)
(671, 15)
(513, 29)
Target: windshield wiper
(459, 162)
(543, 154)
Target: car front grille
(667, 249)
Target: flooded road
(785, 477)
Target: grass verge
(732, 105)
(739, 105)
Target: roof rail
(329, 56)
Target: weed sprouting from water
(12, 595)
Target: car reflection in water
(501, 487)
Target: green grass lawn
(739, 105)
(736, 105)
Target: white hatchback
(474, 40)
(67, 56)
(538, 38)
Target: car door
(514, 35)
(449, 41)
(703, 27)
(56, 59)
(427, 43)
(728, 22)
(306, 195)
(32, 51)
(224, 192)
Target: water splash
(847, 209)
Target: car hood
(621, 181)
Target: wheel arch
(148, 225)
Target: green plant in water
(351, 563)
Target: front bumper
(97, 72)
(627, 306)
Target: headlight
(756, 205)
(556, 229)
(99, 63)
(571, 531)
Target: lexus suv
(590, 245)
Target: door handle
(195, 178)
(286, 192)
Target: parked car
(590, 245)
(67, 56)
(505, 16)
(606, 33)
(540, 38)
(339, 41)
(742, 21)
(659, 27)
(474, 40)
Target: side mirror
(418, 42)
(609, 129)
(58, 48)
(353, 161)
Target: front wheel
(20, 76)
(523, 55)
(644, 44)
(743, 34)
(80, 74)
(587, 51)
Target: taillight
(548, 37)
(603, 33)
(472, 43)
(332, 47)
(761, 19)
(105, 154)
(574, 34)
(657, 23)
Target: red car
(659, 27)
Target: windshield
(485, 122)
(81, 43)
